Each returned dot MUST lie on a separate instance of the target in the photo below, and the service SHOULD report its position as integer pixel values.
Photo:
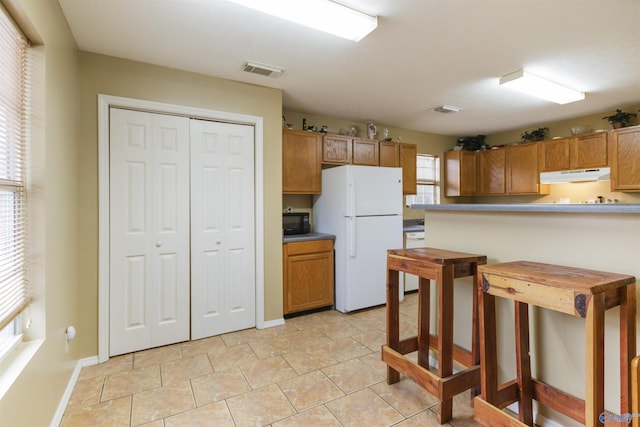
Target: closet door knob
(158, 244)
(218, 241)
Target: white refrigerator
(362, 207)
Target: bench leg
(445, 337)
(594, 329)
(488, 345)
(523, 363)
(393, 320)
(627, 344)
(424, 309)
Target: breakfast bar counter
(604, 237)
(614, 208)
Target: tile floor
(320, 369)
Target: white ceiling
(423, 54)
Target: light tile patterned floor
(320, 369)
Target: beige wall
(606, 242)
(33, 398)
(100, 74)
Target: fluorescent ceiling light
(323, 15)
(541, 88)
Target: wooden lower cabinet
(308, 275)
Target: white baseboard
(273, 323)
(539, 420)
(64, 401)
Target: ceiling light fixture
(536, 86)
(323, 15)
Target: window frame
(423, 182)
(13, 181)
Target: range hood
(578, 175)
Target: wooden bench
(443, 266)
(635, 391)
(578, 292)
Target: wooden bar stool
(443, 266)
(575, 291)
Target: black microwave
(295, 223)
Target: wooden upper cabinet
(575, 152)
(365, 152)
(396, 154)
(408, 162)
(301, 155)
(460, 173)
(554, 155)
(522, 170)
(625, 159)
(491, 173)
(588, 151)
(336, 149)
(389, 153)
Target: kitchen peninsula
(603, 237)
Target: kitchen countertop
(307, 237)
(412, 225)
(618, 208)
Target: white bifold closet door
(222, 228)
(182, 235)
(149, 230)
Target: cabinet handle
(158, 243)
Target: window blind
(14, 291)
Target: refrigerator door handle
(351, 229)
(351, 199)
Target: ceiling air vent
(447, 109)
(262, 69)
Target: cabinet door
(460, 171)
(625, 159)
(408, 159)
(588, 151)
(336, 149)
(308, 275)
(491, 172)
(522, 169)
(554, 155)
(301, 154)
(389, 154)
(365, 152)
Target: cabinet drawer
(312, 246)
